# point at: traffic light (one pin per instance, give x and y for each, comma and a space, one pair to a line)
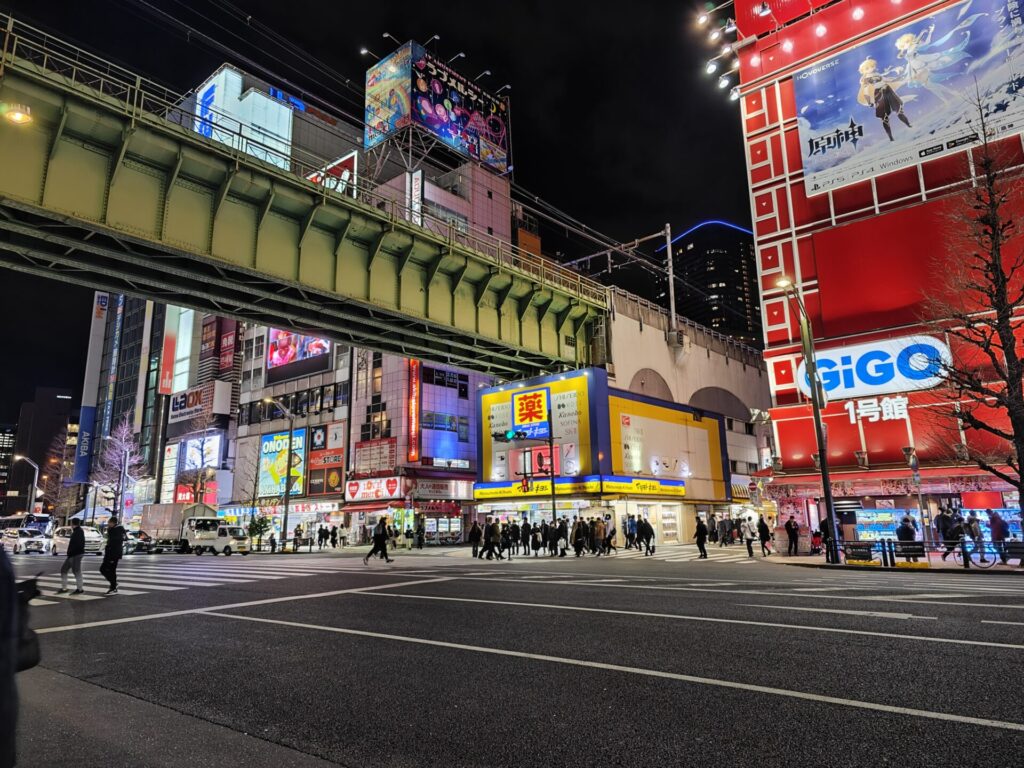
508, 435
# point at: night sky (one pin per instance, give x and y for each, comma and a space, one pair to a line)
613, 118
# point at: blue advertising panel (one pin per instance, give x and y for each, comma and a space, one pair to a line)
909, 95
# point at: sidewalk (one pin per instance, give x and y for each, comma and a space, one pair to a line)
932, 564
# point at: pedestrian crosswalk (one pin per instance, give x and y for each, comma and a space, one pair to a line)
673, 553
160, 574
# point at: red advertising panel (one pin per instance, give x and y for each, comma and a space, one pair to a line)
414, 410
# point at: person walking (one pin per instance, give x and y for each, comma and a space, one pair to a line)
297, 538
599, 537
474, 537
713, 528
906, 533
951, 533
273, 544
609, 539
630, 531
380, 542
334, 537
943, 522
764, 534
645, 531
514, 535
10, 636
973, 528
1000, 530
701, 536
421, 534
494, 539
748, 532
525, 534
535, 540
73, 560
724, 532
112, 553
793, 533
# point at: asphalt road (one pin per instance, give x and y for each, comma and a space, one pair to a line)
441, 660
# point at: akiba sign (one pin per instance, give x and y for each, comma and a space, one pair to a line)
879, 367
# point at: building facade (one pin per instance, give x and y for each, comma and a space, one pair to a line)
853, 206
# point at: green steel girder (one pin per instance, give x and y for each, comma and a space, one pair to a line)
151, 208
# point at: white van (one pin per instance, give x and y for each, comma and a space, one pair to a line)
62, 537
231, 538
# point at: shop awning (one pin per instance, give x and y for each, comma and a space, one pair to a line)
740, 491
373, 506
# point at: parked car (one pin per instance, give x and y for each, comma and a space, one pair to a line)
24, 540
62, 537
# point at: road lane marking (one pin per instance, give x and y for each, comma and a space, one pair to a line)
186, 612
874, 614
734, 685
760, 592
93, 581
1012, 623
707, 619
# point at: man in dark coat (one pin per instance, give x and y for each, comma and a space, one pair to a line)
380, 542
9, 632
793, 532
701, 536
73, 561
112, 553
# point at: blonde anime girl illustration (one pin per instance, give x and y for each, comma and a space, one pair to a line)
926, 60
876, 91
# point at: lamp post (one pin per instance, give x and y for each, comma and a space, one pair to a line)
807, 345
31, 494
288, 472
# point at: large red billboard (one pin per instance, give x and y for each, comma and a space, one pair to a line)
864, 224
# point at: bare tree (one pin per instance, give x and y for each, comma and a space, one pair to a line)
980, 306
59, 497
198, 472
120, 461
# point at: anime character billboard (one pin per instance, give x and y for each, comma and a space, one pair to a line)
387, 96
911, 94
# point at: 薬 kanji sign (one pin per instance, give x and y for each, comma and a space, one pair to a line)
531, 412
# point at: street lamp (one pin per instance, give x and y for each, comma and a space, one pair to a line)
807, 345
19, 114
288, 472
31, 495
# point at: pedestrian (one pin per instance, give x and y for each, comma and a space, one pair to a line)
793, 532
1000, 530
296, 538
563, 536
505, 542
724, 532
701, 536
943, 522
273, 543
474, 537
112, 553
515, 535
526, 533
609, 540
380, 542
973, 529
630, 531
421, 534
645, 532
905, 533
713, 529
334, 537
535, 540
73, 560
10, 635
956, 534
748, 532
764, 533
599, 536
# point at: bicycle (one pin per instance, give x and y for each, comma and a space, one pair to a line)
982, 554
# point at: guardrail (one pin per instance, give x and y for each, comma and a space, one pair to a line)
137, 96
964, 552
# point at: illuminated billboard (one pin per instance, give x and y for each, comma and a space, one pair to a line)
906, 96
274, 464
387, 96
411, 86
327, 458
290, 355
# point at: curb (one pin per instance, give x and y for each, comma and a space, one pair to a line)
1018, 572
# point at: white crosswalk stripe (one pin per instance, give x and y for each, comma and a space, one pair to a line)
147, 575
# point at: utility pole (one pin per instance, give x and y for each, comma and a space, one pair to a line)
671, 279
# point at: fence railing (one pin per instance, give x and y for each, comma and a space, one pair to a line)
962, 552
138, 97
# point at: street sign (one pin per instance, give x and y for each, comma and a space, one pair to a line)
526, 484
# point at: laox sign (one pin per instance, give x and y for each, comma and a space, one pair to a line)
879, 367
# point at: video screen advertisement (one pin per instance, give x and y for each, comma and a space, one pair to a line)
411, 86
908, 95
274, 464
290, 355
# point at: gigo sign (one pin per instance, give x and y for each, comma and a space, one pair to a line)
879, 367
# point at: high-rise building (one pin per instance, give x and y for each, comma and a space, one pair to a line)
40, 420
8, 435
719, 282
